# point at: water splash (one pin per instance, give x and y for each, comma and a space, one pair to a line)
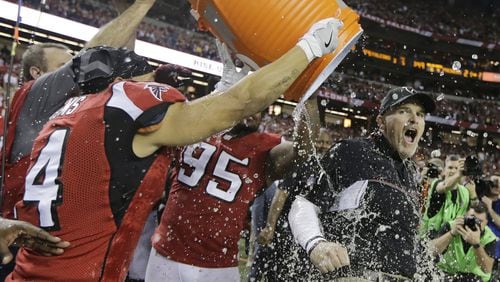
456, 66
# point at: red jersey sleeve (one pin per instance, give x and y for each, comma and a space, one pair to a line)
145, 102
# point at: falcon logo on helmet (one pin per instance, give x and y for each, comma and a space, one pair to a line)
156, 90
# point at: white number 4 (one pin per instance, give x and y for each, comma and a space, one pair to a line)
42, 181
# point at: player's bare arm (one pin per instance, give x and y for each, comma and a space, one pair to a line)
121, 31
266, 236
279, 161
194, 121
281, 158
307, 127
247, 97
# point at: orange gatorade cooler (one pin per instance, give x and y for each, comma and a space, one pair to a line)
260, 31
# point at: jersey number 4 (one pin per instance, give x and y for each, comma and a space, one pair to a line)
43, 186
199, 166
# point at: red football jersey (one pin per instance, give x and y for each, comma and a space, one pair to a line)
86, 185
208, 203
15, 170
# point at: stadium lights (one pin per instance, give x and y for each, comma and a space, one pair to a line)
360, 117
287, 102
471, 133
79, 31
336, 113
456, 132
347, 122
197, 74
199, 82
39, 34
274, 110
22, 39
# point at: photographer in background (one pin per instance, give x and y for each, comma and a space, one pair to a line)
447, 198
467, 246
432, 171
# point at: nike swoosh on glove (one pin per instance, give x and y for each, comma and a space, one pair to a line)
321, 38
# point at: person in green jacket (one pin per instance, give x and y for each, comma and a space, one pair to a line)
467, 246
448, 198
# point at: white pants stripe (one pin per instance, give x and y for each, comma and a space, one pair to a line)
162, 269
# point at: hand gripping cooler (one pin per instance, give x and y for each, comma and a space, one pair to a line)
260, 31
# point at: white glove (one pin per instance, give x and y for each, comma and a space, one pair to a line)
230, 75
321, 38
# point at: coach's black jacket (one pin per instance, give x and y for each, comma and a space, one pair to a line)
380, 231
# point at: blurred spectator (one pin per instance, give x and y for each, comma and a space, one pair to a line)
97, 13
463, 109
438, 17
492, 201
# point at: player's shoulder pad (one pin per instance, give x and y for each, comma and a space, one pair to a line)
151, 93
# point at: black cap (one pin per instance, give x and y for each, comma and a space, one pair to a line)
399, 95
97, 67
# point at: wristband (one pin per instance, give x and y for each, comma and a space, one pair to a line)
312, 243
309, 49
476, 246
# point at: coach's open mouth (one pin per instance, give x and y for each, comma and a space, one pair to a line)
409, 135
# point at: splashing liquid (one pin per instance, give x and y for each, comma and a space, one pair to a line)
426, 269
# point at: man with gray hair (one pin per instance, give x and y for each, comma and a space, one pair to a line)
42, 58
50, 74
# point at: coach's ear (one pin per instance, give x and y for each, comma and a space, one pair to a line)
35, 72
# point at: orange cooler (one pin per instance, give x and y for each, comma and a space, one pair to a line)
260, 31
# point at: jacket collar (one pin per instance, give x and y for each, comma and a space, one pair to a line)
385, 147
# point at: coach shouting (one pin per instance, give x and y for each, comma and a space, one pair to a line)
366, 199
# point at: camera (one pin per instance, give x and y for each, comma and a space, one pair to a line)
472, 167
472, 222
433, 171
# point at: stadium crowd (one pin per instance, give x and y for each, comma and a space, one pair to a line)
362, 88
438, 17
163, 28
490, 158
451, 107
